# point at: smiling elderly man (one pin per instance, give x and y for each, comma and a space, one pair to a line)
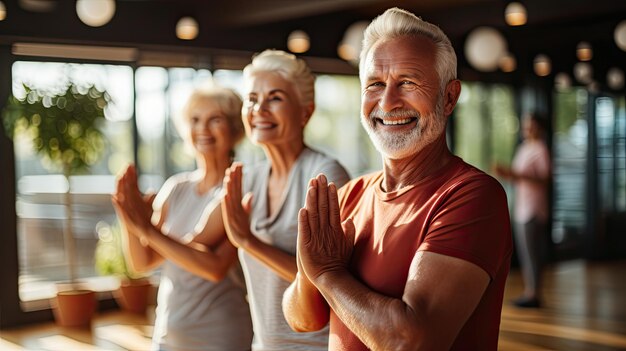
422, 255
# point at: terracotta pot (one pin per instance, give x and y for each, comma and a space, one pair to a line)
74, 308
132, 295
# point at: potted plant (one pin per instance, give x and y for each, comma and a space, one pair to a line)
64, 129
134, 291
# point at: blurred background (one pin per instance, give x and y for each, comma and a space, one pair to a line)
562, 58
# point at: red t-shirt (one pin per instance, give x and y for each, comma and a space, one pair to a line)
459, 211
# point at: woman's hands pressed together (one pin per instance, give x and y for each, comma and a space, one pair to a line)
236, 208
133, 208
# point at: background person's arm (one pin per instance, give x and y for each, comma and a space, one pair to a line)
236, 209
208, 254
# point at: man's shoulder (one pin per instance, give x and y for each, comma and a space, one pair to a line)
465, 175
359, 184
467, 180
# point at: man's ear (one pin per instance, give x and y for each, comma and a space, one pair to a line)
307, 112
451, 96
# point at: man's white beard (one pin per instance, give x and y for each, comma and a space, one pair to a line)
397, 145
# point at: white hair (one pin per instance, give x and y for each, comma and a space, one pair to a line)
395, 23
290, 67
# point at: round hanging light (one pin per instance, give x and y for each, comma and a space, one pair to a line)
95, 13
38, 5
3, 11
542, 65
584, 52
583, 72
615, 78
484, 47
515, 14
298, 42
187, 28
508, 63
620, 35
350, 47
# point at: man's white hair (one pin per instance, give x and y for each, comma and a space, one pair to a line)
395, 23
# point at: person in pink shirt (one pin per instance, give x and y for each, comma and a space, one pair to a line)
415, 256
531, 173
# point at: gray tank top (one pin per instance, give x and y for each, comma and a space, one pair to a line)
266, 288
193, 313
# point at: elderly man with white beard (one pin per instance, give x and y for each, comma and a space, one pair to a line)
413, 257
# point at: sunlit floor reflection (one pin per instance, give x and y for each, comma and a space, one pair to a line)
583, 309
64, 343
565, 332
6, 345
127, 337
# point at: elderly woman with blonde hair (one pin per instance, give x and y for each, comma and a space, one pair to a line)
199, 306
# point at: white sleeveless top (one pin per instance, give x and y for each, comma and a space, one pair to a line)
265, 287
193, 313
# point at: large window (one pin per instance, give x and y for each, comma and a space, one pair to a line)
611, 160
40, 210
485, 124
569, 168
335, 127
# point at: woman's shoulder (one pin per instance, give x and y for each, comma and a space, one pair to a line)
177, 182
179, 179
314, 162
311, 158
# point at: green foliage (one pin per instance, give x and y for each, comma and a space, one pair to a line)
64, 128
109, 255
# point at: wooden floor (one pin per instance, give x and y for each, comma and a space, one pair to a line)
585, 309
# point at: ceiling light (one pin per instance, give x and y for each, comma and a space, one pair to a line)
515, 14
583, 72
298, 42
350, 47
620, 35
3, 11
484, 47
542, 65
584, 51
95, 13
38, 5
615, 78
508, 63
187, 28
347, 52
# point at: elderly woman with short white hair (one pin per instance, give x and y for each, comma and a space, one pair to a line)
278, 103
